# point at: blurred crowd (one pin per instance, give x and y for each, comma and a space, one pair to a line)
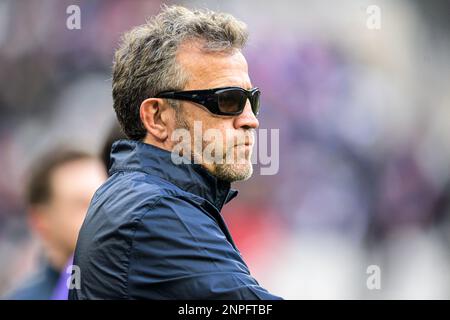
364, 122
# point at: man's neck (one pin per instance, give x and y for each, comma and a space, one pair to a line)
166, 145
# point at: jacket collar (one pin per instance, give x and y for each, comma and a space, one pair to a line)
133, 155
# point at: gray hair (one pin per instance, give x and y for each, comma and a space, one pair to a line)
145, 62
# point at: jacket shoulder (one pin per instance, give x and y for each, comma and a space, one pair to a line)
106, 236
179, 252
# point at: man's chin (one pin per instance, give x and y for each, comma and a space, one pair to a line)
233, 172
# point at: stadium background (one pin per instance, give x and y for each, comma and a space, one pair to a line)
364, 125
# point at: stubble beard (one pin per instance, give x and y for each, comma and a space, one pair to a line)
239, 169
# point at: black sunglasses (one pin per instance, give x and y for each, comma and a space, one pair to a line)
226, 101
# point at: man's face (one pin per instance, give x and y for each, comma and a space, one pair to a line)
214, 70
72, 187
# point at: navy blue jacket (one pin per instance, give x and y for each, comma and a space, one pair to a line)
154, 231
38, 286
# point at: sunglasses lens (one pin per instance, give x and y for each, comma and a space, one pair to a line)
255, 102
232, 101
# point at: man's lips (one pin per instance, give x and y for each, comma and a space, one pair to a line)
245, 145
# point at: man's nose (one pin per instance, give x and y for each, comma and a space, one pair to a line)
247, 119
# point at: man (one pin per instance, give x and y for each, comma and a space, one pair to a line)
154, 229
60, 188
115, 133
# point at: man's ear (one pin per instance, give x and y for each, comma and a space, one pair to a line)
37, 220
152, 112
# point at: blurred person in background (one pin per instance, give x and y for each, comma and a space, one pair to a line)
58, 193
114, 134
